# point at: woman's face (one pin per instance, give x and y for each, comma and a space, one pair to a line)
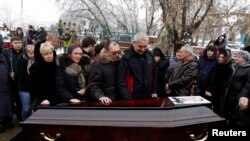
239, 60
221, 39
30, 54
19, 31
221, 59
76, 55
178, 54
48, 56
157, 58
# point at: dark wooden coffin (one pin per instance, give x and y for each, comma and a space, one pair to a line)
121, 124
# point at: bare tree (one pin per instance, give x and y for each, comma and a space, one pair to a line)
183, 16
151, 7
125, 15
95, 8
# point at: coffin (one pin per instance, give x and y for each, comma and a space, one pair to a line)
151, 123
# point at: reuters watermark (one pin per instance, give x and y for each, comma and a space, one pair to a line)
228, 133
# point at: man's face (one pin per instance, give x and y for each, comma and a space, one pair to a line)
183, 54
210, 54
114, 52
140, 46
17, 45
91, 48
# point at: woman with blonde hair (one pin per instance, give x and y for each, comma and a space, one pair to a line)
22, 70
43, 73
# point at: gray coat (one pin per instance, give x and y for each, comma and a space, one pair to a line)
183, 78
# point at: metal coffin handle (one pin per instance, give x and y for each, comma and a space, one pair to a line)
49, 138
192, 136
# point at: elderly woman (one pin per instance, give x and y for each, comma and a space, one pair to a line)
237, 100
71, 71
42, 74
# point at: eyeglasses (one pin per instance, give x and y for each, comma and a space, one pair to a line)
116, 52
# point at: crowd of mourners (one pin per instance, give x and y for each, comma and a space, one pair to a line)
32, 74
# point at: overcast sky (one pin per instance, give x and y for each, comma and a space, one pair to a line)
38, 12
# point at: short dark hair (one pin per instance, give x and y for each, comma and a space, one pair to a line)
108, 43
88, 41
99, 47
15, 38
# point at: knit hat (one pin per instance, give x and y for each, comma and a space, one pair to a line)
245, 55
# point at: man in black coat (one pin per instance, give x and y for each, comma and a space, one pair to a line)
137, 70
12, 55
102, 83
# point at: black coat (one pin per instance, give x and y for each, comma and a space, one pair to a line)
205, 65
67, 85
43, 82
42, 77
22, 74
103, 80
162, 68
11, 57
137, 74
239, 87
218, 82
6, 106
